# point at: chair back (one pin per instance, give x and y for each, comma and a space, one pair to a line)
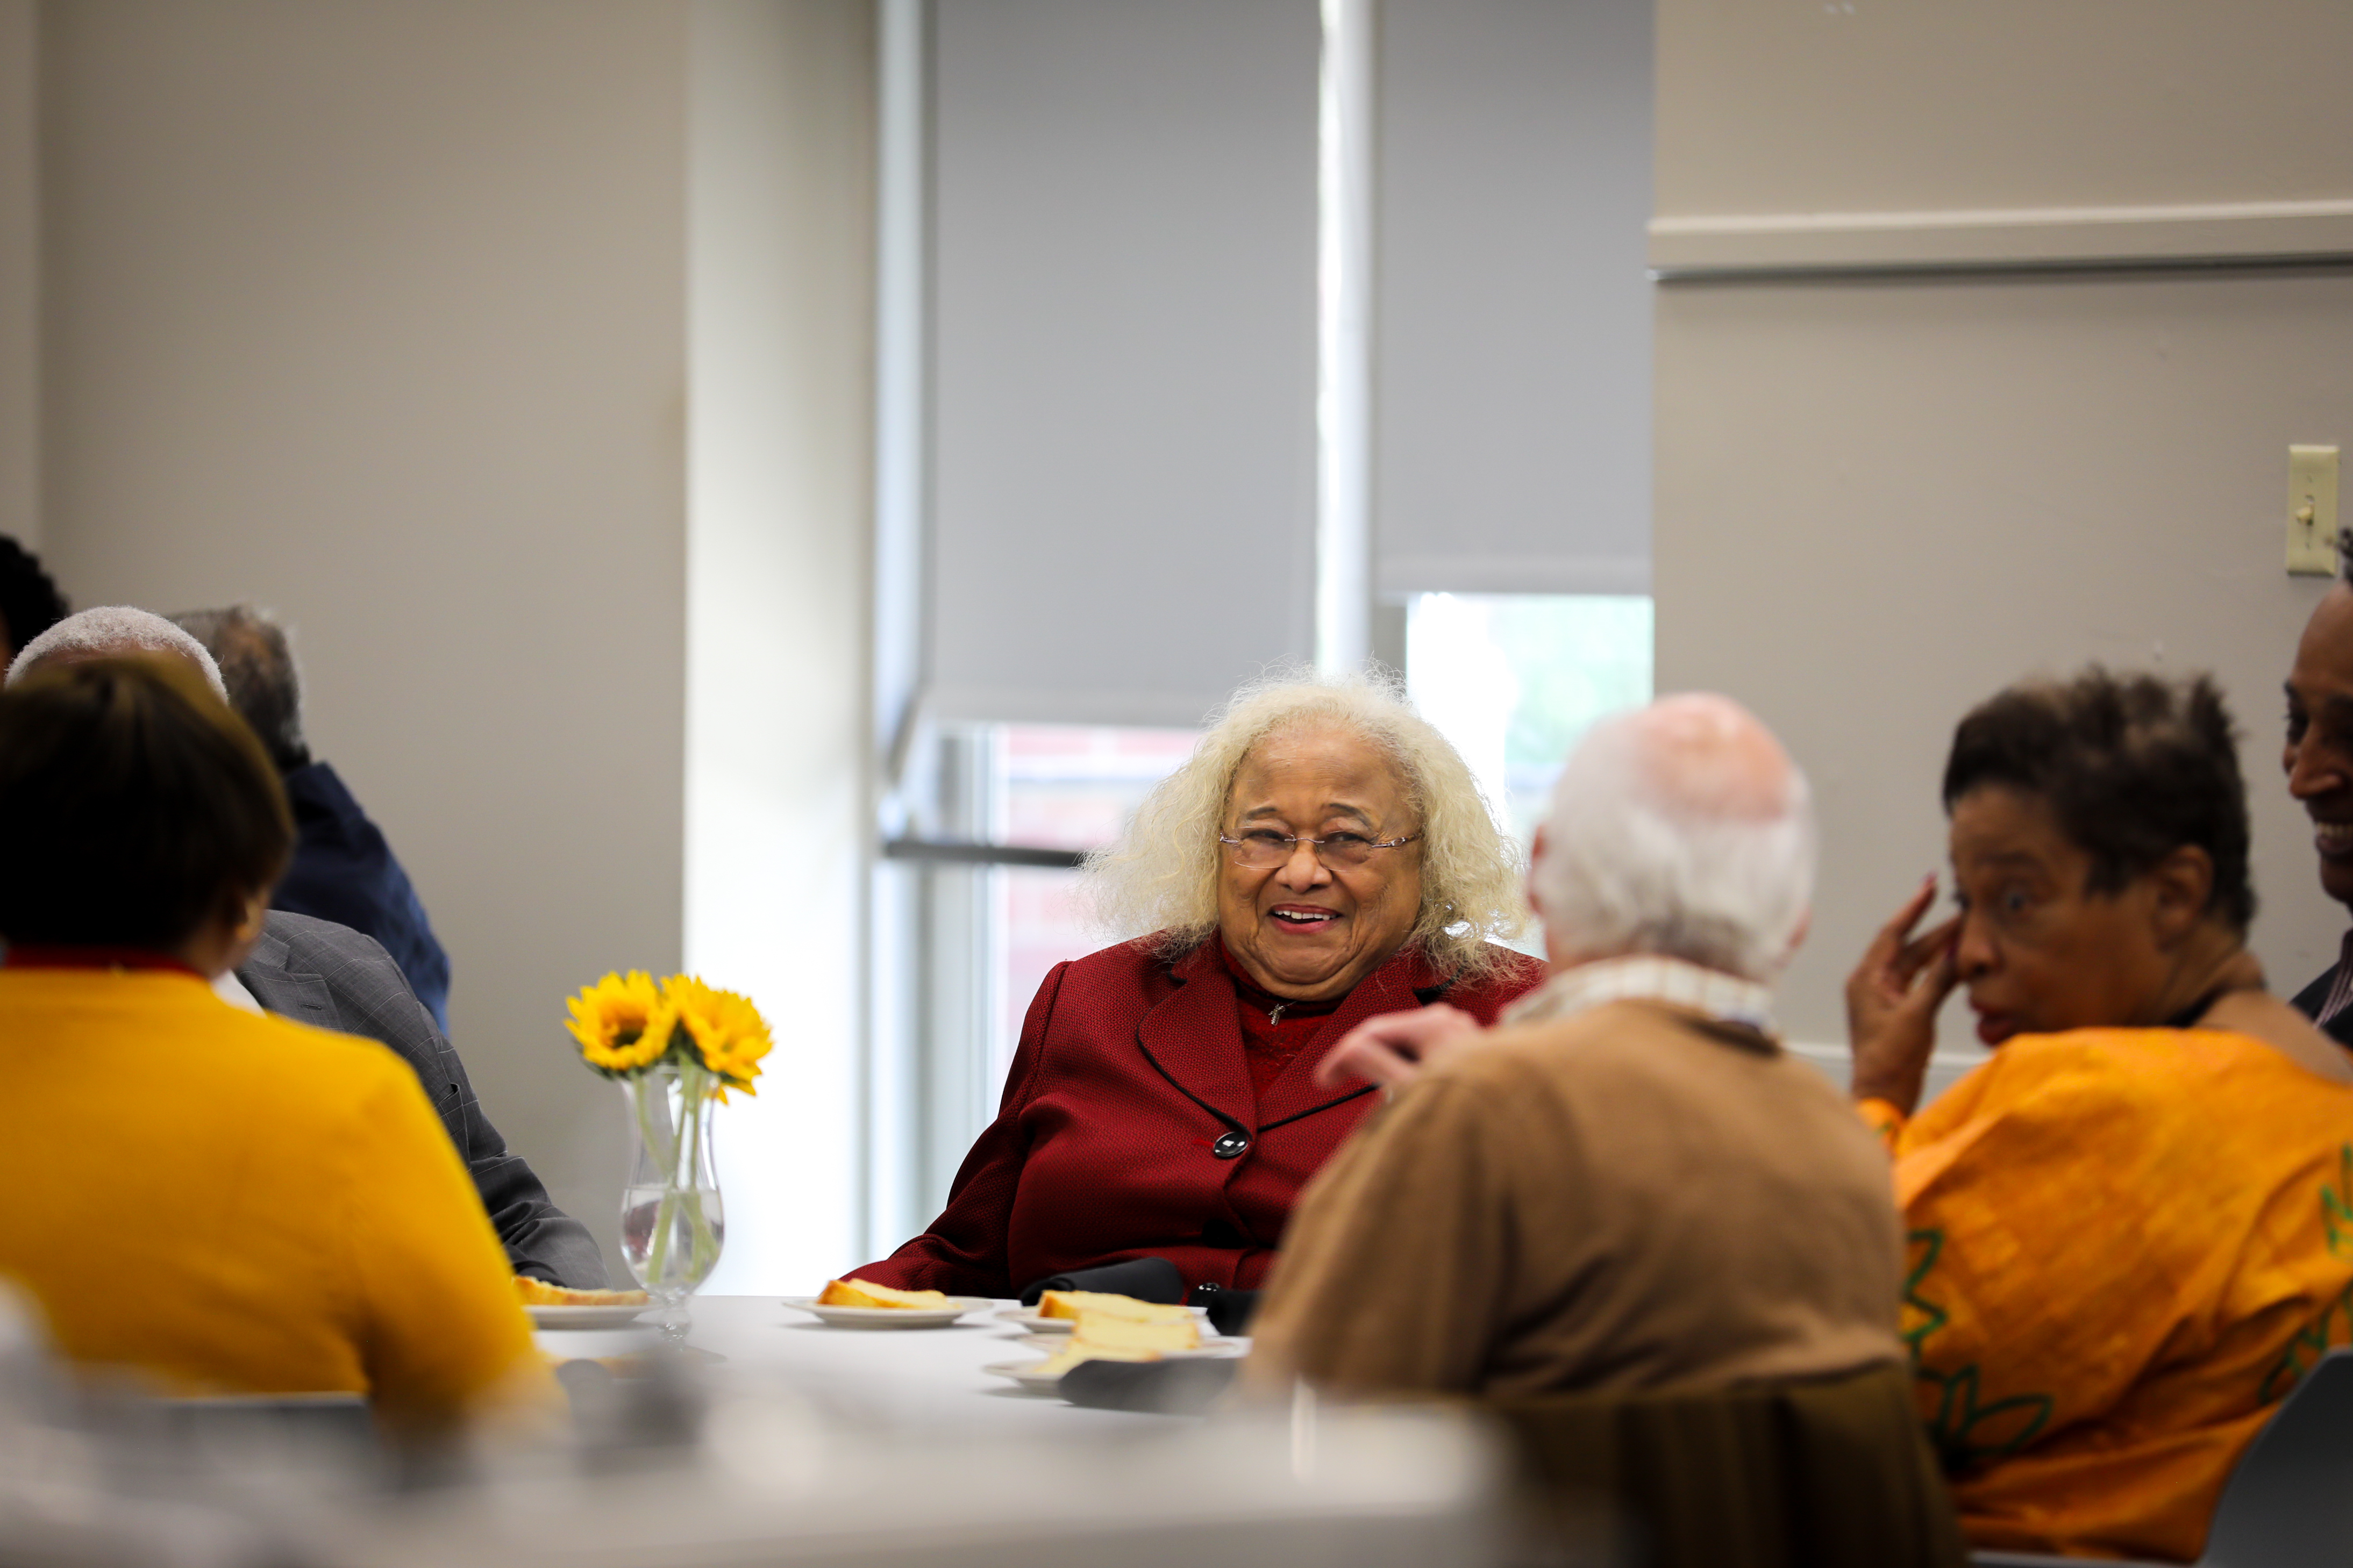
1829, 1472
2290, 1500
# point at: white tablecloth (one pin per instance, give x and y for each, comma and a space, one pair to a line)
929, 1378
826, 1448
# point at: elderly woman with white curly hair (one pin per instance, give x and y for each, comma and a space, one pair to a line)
1324, 856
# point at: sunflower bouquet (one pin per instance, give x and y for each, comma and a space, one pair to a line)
628, 1024
677, 1046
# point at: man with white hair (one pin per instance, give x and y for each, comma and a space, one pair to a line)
110, 631
318, 973
1626, 1185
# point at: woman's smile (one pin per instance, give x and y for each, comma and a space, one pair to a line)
1305, 927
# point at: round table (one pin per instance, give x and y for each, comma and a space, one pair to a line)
930, 1379
829, 1447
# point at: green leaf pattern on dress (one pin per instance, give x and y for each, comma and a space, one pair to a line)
1966, 1429
2334, 1325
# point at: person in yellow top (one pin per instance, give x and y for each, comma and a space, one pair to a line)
2129, 1232
221, 1201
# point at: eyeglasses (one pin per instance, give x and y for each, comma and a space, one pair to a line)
1262, 848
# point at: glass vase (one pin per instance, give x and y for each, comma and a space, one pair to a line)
672, 1225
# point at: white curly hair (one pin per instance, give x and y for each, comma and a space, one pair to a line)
1159, 881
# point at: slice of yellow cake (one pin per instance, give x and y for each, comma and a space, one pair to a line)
1104, 1330
1070, 1303
865, 1293
539, 1293
1078, 1349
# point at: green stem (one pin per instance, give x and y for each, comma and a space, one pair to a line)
664, 1153
680, 1162
696, 1108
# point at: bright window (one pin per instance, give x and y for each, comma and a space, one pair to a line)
1067, 788
1513, 680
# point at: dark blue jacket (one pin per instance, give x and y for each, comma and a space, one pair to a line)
344, 871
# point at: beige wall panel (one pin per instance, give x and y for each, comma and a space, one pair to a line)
777, 589
1877, 503
374, 313
20, 250
1797, 106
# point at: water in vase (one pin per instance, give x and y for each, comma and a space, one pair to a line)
670, 1267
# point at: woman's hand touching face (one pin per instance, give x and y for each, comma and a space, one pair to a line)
2039, 948
1891, 1000
1304, 929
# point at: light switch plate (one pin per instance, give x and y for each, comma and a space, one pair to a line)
2312, 512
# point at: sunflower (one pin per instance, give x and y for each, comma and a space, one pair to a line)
724, 1027
623, 1024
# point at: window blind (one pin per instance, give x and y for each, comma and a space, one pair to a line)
1121, 323
1512, 444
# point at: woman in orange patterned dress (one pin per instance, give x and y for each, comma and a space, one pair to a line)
2130, 1231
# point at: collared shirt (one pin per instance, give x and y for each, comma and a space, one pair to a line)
1648, 977
231, 990
2341, 985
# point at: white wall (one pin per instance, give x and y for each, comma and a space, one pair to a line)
518, 351
20, 246
1880, 499
1796, 106
777, 594
375, 314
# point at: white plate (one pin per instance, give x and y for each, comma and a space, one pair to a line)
889, 1317
1025, 1372
1211, 1344
586, 1317
1029, 1319
1027, 1375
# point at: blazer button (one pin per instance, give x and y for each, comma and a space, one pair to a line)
1232, 1146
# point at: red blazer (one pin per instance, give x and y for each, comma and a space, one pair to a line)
1129, 1080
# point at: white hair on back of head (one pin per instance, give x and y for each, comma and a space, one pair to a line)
112, 629
1637, 862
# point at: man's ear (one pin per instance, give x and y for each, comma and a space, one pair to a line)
2180, 887
1535, 857
1798, 934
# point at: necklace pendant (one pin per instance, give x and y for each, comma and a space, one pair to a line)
1275, 1014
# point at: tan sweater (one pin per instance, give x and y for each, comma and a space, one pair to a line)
1633, 1198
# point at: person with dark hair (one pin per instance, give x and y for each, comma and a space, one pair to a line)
344, 869
29, 602
2318, 759
222, 1201
332, 977
2129, 1229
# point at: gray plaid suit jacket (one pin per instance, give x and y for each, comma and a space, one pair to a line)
317, 973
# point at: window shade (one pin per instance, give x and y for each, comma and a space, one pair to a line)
1513, 326
1123, 332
